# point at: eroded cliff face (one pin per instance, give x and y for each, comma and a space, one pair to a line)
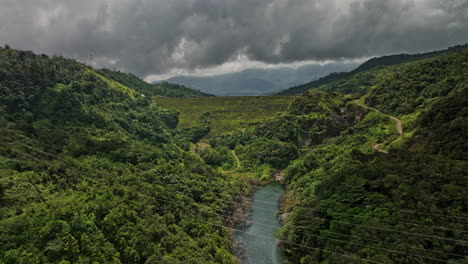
354, 113
315, 130
325, 115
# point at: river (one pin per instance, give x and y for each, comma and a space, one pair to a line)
260, 245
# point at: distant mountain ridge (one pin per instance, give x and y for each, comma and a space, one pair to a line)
258, 81
368, 65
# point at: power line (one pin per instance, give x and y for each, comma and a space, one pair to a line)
279, 240
24, 153
383, 220
357, 237
394, 251
350, 243
354, 224
373, 227
389, 209
285, 242
435, 251
308, 235
32, 149
408, 211
440, 252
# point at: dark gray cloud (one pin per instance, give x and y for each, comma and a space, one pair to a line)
157, 36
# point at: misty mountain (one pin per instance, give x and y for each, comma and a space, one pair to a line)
259, 81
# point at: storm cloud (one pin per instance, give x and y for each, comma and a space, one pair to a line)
155, 37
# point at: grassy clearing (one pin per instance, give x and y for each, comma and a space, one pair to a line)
226, 113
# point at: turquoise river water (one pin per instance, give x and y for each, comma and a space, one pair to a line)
259, 243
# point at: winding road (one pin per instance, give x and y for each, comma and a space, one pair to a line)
202, 146
398, 124
237, 160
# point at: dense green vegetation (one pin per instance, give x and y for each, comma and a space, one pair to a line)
164, 89
226, 113
277, 141
357, 190
92, 172
219, 157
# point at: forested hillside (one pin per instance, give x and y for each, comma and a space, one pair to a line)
91, 172
359, 76
360, 187
164, 89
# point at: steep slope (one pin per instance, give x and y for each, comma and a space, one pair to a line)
367, 66
401, 207
348, 202
164, 89
90, 172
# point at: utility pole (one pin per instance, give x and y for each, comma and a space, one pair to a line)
91, 58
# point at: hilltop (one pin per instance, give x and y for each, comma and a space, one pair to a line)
366, 66
164, 89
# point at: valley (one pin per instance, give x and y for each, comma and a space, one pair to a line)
348, 170
98, 166
259, 245
234, 132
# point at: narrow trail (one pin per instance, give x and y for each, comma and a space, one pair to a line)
203, 146
398, 124
237, 160
376, 147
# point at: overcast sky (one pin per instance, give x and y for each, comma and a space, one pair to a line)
154, 38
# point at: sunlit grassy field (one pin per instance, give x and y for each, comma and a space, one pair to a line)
226, 113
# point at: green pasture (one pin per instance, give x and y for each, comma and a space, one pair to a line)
226, 113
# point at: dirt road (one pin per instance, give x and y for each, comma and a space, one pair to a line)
398, 125
238, 163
